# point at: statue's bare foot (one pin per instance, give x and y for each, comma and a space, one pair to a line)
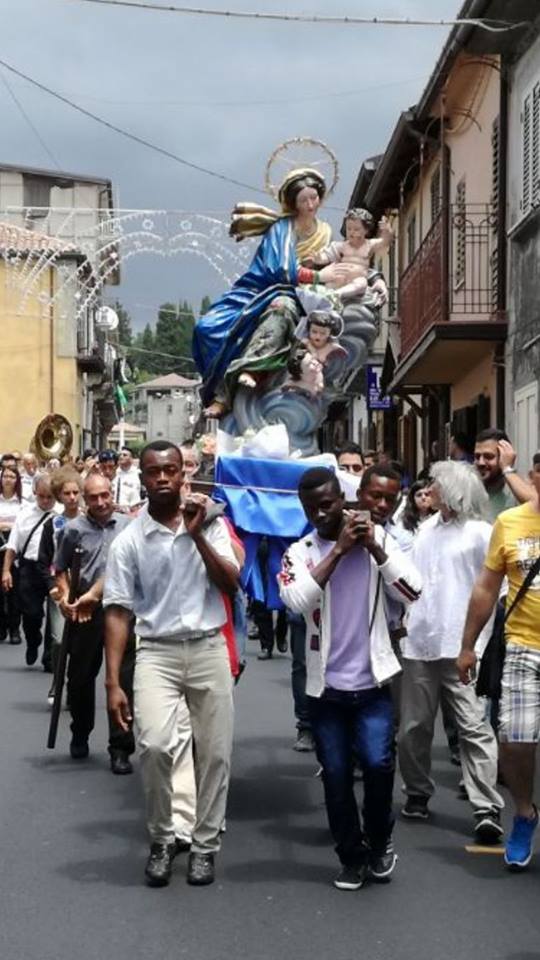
246, 380
215, 410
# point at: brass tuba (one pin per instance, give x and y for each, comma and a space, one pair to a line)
53, 437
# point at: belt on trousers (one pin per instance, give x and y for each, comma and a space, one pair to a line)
180, 638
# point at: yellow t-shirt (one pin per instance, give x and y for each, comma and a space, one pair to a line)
514, 546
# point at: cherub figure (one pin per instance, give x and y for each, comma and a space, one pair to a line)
323, 327
357, 250
305, 372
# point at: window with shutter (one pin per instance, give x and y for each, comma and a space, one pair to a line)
495, 163
535, 147
411, 238
460, 234
392, 289
495, 168
530, 150
526, 149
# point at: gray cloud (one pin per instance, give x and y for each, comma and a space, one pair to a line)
113, 61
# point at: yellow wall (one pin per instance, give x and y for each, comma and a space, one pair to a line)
25, 365
480, 380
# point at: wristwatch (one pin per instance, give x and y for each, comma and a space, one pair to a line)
508, 470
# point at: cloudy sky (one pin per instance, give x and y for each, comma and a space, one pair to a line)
221, 93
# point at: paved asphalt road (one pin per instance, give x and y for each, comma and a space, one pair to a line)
73, 849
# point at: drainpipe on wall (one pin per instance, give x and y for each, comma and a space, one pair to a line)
502, 250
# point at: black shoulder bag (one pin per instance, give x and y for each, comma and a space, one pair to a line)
31, 534
488, 681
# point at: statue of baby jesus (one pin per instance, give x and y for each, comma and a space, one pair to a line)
356, 250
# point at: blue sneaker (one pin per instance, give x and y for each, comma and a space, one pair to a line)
519, 846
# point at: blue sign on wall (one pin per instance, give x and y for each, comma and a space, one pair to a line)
374, 399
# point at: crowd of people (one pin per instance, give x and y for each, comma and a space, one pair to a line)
394, 599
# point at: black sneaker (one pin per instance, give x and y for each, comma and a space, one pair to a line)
351, 878
31, 655
416, 808
381, 865
120, 763
487, 826
304, 742
159, 864
78, 748
200, 869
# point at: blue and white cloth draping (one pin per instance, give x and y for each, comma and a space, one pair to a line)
247, 487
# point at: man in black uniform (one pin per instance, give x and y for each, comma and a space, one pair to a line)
94, 533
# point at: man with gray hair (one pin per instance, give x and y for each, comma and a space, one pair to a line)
93, 533
449, 553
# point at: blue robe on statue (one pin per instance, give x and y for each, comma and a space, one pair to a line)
223, 333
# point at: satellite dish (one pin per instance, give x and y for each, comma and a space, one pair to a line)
106, 319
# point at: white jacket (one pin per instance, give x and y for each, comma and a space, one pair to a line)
397, 578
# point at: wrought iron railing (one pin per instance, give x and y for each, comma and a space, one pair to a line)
453, 275
472, 259
420, 290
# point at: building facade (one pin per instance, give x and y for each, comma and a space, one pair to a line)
165, 408
52, 228
523, 344
442, 179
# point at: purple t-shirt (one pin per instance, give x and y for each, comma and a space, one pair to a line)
349, 666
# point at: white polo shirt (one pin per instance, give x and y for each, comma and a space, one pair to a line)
26, 520
160, 576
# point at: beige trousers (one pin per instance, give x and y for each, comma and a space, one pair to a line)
424, 684
168, 678
184, 798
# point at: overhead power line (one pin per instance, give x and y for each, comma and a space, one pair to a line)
281, 101
494, 26
130, 136
32, 126
156, 353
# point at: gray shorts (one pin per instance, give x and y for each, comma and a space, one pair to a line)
519, 717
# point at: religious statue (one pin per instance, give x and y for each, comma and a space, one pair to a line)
356, 249
243, 344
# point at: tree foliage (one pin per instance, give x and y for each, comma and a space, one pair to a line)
123, 335
166, 348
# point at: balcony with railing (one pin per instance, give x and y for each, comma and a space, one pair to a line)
453, 275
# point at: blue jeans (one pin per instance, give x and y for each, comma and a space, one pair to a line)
351, 726
297, 626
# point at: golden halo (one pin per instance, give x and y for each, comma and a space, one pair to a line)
297, 154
